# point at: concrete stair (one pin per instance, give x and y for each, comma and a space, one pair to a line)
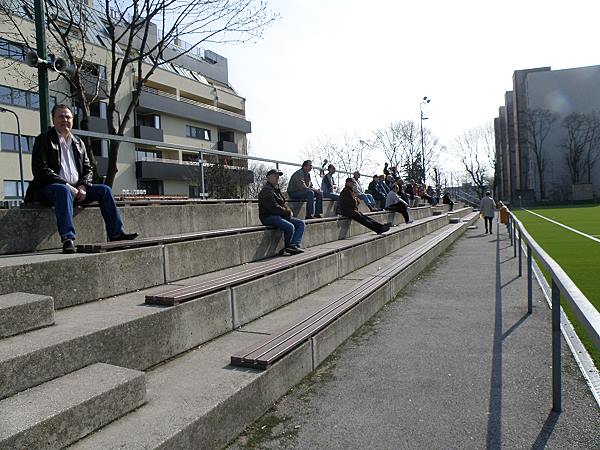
61, 276
212, 401
194, 395
21, 312
58, 413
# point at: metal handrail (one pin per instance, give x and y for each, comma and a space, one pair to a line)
587, 315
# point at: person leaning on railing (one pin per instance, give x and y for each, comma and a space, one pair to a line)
272, 210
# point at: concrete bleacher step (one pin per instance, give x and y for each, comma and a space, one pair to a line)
213, 401
21, 312
62, 411
125, 332
144, 267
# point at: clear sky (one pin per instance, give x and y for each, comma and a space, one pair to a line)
332, 66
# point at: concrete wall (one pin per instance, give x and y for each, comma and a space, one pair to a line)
564, 92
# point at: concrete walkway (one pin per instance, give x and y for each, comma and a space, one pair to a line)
453, 362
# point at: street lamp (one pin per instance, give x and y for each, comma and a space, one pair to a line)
3, 110
423, 102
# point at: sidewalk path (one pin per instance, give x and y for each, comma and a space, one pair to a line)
453, 362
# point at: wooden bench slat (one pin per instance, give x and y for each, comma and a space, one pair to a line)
265, 353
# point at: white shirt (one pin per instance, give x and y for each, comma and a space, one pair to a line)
68, 168
392, 198
358, 190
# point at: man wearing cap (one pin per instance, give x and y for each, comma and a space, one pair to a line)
300, 188
272, 210
349, 207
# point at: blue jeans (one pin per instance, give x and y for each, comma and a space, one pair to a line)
293, 229
368, 199
331, 195
62, 199
314, 201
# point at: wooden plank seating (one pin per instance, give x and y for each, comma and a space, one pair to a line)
264, 354
168, 239
175, 296
100, 247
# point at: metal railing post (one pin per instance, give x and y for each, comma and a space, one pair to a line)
556, 357
514, 229
202, 186
520, 253
529, 281
510, 225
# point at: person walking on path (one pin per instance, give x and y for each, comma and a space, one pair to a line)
487, 206
272, 210
349, 208
300, 188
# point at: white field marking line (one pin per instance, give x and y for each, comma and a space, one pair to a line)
564, 226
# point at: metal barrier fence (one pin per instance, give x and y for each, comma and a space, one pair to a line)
587, 315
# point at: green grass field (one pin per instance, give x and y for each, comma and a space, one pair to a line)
579, 256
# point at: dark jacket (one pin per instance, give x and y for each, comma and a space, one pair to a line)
272, 203
348, 202
410, 190
45, 164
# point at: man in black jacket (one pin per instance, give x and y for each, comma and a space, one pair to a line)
349, 208
272, 210
62, 175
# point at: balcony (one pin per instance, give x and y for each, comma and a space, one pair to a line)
165, 103
165, 169
95, 124
148, 133
226, 146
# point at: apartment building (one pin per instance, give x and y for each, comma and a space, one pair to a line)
560, 92
189, 102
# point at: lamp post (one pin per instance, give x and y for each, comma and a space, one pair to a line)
423, 102
3, 110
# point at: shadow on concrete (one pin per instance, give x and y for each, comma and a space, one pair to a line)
546, 431
494, 426
510, 281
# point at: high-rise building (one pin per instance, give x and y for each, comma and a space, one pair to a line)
560, 110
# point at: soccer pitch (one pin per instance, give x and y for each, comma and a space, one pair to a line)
571, 236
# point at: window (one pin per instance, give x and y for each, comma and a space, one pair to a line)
12, 50
100, 147
190, 157
152, 187
148, 120
197, 133
21, 98
9, 143
147, 155
12, 189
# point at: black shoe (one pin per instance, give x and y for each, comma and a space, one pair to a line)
298, 249
68, 246
124, 237
309, 217
383, 229
291, 251
318, 216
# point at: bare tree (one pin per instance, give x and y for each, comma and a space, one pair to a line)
469, 148
140, 35
592, 150
575, 144
401, 145
538, 123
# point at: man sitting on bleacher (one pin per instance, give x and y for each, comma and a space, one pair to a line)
272, 210
349, 207
62, 176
